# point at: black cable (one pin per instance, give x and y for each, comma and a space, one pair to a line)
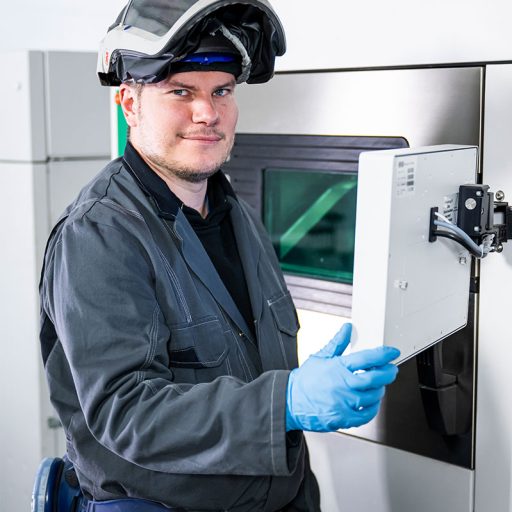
459, 240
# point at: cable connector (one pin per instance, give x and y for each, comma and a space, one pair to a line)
454, 233
483, 225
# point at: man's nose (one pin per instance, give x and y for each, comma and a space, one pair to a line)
204, 111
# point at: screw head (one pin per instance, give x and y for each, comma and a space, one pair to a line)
470, 204
500, 195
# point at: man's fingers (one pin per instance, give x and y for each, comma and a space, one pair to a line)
366, 359
373, 378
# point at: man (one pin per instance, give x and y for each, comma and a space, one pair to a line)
168, 334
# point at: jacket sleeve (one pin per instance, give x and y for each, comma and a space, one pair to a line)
99, 292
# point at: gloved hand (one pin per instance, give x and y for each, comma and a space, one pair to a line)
330, 391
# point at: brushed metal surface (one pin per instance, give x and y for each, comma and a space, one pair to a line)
493, 484
426, 106
319, 295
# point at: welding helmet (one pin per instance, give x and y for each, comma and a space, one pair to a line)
152, 38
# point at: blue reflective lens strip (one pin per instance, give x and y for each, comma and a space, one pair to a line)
209, 58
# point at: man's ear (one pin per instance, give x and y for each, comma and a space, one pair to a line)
129, 101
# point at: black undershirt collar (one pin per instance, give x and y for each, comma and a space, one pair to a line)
166, 201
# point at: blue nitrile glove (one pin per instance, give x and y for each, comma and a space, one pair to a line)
330, 391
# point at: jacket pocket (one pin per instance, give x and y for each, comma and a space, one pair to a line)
287, 324
285, 316
199, 345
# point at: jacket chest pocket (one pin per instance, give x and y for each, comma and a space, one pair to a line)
199, 345
287, 324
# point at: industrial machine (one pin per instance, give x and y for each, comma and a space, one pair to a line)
424, 451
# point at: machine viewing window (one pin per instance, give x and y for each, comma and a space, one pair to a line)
310, 217
304, 187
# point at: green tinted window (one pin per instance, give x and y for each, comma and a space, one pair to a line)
310, 216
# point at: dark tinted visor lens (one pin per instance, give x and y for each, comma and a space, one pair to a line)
156, 16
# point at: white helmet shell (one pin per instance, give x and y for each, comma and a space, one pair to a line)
150, 35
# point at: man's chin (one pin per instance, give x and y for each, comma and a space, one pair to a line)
194, 175
193, 170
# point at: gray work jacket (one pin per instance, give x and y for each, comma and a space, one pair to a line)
162, 390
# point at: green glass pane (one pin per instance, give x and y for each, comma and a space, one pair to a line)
311, 216
122, 130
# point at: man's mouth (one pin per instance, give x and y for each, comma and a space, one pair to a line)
203, 137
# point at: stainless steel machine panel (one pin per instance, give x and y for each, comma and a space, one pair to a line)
426, 106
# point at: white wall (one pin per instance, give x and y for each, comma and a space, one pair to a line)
367, 33
55, 24
320, 34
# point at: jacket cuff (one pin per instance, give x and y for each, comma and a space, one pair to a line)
286, 447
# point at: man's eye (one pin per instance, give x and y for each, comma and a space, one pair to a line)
179, 92
222, 92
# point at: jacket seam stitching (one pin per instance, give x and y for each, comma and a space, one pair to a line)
273, 300
152, 345
98, 199
150, 385
186, 327
120, 208
176, 284
257, 236
281, 343
272, 424
245, 365
228, 367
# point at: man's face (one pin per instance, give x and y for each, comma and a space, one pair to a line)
185, 125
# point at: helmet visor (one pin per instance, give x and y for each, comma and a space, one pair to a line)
155, 16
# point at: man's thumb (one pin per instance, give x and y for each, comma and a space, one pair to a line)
338, 344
